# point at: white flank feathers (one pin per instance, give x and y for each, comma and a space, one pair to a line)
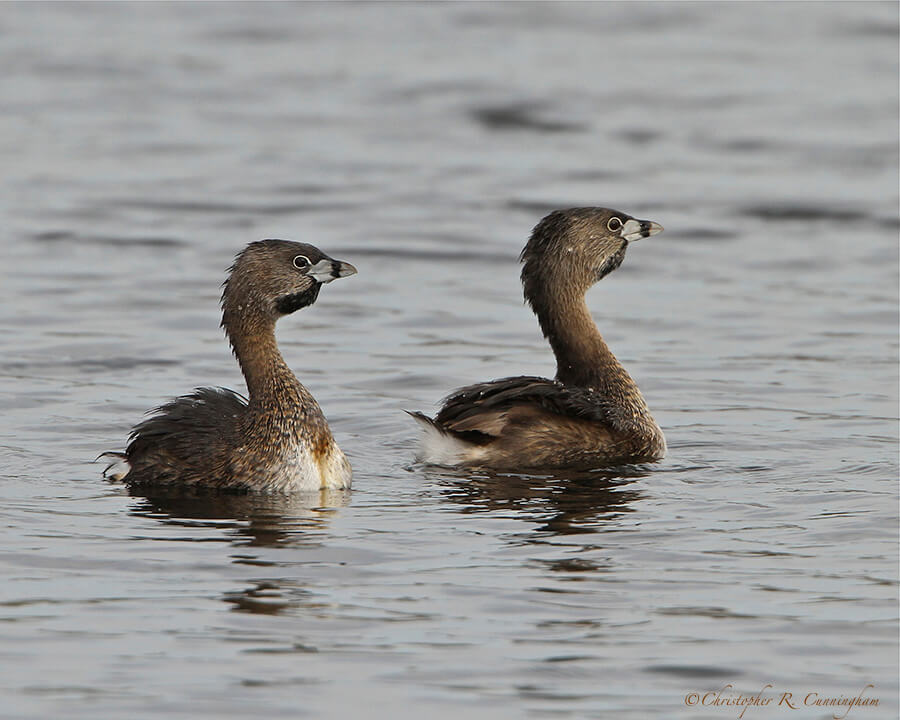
441, 448
117, 469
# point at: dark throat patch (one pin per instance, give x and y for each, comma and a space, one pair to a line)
612, 262
287, 304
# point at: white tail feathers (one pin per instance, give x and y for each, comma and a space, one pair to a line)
118, 468
441, 447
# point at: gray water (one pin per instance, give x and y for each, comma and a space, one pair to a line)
142, 145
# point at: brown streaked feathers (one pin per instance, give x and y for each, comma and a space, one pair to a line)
276, 440
592, 414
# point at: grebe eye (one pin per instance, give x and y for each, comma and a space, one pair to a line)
614, 224
301, 262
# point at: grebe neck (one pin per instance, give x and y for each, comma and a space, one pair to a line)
270, 382
583, 359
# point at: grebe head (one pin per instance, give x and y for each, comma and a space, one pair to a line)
574, 248
271, 278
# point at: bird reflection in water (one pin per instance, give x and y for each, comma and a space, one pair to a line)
250, 519
271, 597
564, 503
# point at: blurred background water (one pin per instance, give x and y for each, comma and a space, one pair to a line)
142, 145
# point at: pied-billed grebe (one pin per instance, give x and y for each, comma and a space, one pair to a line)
278, 440
592, 414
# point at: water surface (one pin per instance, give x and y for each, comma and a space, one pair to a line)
142, 145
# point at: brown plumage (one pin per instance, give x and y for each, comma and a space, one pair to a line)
592, 414
277, 440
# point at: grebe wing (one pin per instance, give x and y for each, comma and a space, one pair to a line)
180, 424
483, 408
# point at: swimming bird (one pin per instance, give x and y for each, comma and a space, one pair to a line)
592, 414
276, 440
